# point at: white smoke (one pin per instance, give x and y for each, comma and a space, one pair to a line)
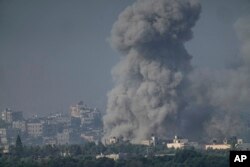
150, 79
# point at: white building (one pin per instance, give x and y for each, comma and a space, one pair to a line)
21, 125
8, 115
217, 146
35, 129
3, 140
113, 156
112, 140
178, 143
86, 114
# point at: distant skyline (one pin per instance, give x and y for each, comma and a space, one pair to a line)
54, 54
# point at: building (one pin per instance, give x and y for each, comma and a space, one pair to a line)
88, 138
58, 118
20, 125
49, 141
50, 130
3, 136
5, 149
113, 156
75, 111
9, 116
218, 146
178, 143
63, 138
150, 142
4, 146
86, 114
112, 140
35, 129
242, 146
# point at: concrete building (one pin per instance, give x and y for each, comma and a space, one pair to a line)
88, 138
58, 119
112, 140
86, 114
218, 146
63, 138
75, 111
9, 116
4, 145
113, 156
151, 142
35, 129
178, 143
20, 125
49, 141
242, 146
3, 136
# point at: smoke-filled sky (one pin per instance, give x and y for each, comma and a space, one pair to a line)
56, 53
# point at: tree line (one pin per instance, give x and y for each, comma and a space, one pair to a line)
85, 156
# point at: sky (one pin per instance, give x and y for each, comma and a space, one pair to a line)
55, 53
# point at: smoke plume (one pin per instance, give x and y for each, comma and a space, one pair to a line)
156, 89
151, 78
222, 97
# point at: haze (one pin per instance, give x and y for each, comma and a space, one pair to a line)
56, 53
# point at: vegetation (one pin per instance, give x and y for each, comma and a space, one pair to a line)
19, 147
84, 156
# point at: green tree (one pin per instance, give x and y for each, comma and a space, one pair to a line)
19, 146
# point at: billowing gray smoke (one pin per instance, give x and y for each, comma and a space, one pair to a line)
221, 99
151, 79
156, 89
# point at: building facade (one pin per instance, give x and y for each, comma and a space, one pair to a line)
35, 129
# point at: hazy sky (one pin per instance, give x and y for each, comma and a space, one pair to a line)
56, 53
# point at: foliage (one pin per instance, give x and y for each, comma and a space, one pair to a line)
19, 146
84, 156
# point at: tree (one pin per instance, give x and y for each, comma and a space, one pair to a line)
19, 146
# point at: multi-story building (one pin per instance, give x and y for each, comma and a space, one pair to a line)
86, 114
75, 111
150, 142
35, 129
20, 125
4, 145
9, 116
3, 136
64, 137
58, 119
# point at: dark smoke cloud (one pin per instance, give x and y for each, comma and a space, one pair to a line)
150, 78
